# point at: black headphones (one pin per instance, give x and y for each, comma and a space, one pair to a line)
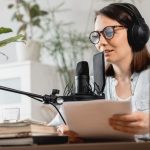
138, 33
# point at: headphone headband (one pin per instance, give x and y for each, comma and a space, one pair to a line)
139, 33
131, 10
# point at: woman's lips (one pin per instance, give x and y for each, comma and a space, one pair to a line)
107, 52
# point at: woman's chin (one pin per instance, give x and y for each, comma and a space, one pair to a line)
108, 59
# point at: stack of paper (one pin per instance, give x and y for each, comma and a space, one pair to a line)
90, 119
25, 128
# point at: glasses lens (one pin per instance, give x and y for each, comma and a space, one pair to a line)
108, 32
94, 37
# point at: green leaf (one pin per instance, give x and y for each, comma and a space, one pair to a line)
5, 30
19, 17
10, 6
22, 28
36, 22
43, 13
19, 37
34, 11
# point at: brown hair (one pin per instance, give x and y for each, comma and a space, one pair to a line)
141, 59
140, 62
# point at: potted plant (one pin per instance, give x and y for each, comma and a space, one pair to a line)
65, 45
4, 30
29, 16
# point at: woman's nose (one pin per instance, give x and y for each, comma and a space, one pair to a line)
102, 42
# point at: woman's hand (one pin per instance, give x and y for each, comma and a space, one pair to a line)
134, 123
73, 137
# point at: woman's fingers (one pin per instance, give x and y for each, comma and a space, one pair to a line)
135, 123
128, 130
127, 123
73, 137
62, 128
128, 117
129, 127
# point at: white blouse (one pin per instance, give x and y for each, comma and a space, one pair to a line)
140, 86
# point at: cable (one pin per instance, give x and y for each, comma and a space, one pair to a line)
90, 89
59, 113
65, 90
54, 107
68, 89
98, 91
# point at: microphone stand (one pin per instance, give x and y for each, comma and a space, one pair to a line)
46, 99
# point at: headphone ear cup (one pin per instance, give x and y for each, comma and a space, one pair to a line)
138, 36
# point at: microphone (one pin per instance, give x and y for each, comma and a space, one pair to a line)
83, 89
82, 78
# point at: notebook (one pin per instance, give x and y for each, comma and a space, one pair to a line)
39, 140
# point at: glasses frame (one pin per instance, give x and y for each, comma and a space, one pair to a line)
102, 32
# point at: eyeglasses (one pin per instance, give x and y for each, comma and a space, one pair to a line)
108, 33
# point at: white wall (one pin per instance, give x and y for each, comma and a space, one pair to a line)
78, 14
81, 13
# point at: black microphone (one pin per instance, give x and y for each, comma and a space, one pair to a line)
82, 78
83, 89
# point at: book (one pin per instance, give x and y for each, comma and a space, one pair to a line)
39, 140
28, 132
26, 128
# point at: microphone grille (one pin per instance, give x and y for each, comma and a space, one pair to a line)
82, 68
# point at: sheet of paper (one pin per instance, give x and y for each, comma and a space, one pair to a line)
89, 119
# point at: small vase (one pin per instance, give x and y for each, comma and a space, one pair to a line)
30, 50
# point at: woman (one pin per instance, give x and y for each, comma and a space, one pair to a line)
121, 33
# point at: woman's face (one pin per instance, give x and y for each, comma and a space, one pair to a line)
116, 49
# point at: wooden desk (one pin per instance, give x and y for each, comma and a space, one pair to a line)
86, 146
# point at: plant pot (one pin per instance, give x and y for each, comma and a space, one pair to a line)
30, 50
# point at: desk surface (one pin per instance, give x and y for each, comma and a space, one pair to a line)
86, 146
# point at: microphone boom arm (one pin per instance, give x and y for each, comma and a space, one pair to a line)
47, 99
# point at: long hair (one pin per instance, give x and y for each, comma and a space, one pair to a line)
141, 59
